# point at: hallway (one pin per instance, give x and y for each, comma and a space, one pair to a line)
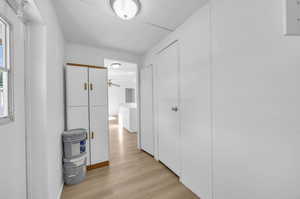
132, 174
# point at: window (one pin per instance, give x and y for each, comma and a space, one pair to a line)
130, 95
5, 92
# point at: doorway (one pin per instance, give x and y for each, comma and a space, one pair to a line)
123, 103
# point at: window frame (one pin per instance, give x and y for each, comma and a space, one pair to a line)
9, 69
131, 91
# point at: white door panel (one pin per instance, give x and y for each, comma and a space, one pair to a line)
168, 122
99, 134
98, 86
77, 84
147, 134
78, 117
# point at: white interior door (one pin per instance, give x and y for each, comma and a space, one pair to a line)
77, 84
99, 134
147, 134
168, 112
78, 117
98, 87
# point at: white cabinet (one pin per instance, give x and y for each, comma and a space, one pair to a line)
99, 139
87, 107
77, 86
98, 87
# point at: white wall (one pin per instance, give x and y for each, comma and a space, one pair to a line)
12, 147
193, 37
249, 76
195, 104
46, 100
55, 101
115, 98
116, 95
255, 100
36, 110
80, 54
44, 118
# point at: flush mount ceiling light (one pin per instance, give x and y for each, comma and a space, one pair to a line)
115, 65
126, 9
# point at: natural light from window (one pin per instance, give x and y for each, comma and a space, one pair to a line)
4, 69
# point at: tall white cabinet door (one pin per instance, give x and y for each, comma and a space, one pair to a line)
99, 134
168, 110
77, 84
147, 134
98, 86
78, 117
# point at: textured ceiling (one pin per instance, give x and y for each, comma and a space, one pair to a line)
92, 22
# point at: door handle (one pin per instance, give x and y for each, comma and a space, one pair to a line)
85, 86
92, 135
175, 109
91, 86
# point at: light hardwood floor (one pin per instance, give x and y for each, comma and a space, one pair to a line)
132, 174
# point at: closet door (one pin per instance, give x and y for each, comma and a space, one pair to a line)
78, 117
77, 84
168, 111
98, 115
99, 134
147, 134
98, 86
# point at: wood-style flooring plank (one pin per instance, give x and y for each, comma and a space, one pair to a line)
132, 174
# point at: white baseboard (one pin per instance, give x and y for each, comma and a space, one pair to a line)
60, 191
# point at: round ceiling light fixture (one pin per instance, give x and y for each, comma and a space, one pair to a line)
115, 65
126, 9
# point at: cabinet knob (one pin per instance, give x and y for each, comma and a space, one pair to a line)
175, 108
93, 135
91, 86
85, 86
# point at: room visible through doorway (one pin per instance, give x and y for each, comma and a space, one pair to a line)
122, 97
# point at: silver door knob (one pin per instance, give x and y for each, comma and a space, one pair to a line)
175, 108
